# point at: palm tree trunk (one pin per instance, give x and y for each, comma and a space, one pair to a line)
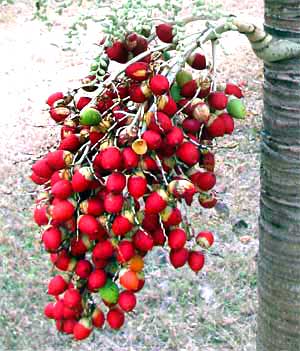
279, 251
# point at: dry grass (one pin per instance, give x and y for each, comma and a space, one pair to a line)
177, 310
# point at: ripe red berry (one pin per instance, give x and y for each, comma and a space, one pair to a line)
125, 251
59, 114
117, 52
82, 329
70, 143
156, 202
83, 269
130, 158
72, 298
216, 126
40, 215
54, 97
57, 285
88, 225
137, 71
42, 168
59, 159
62, 210
167, 105
68, 326
228, 122
159, 84
111, 158
92, 206
62, 189
164, 32
52, 239
174, 137
121, 225
98, 318
82, 179
103, 250
116, 182
143, 241
158, 237
96, 280
113, 203
188, 153
127, 301
217, 100
205, 180
196, 260
205, 239
189, 89
48, 310
158, 122
115, 318
233, 89
137, 186
178, 258
191, 125
152, 138
139, 93
177, 239
197, 61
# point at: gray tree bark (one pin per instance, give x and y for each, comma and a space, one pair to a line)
279, 250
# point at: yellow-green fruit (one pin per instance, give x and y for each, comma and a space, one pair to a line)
109, 292
236, 108
175, 92
90, 117
183, 77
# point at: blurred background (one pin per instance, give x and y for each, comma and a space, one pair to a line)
177, 310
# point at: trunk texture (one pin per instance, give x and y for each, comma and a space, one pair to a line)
279, 251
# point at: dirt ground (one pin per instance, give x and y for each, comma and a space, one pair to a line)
177, 310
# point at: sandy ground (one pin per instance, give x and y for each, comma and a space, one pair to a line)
214, 312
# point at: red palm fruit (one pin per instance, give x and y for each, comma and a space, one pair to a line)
82, 329
62, 210
111, 158
143, 241
228, 122
150, 222
167, 105
171, 216
204, 91
95, 134
116, 182
131, 41
82, 179
58, 310
113, 203
197, 61
129, 279
98, 318
63, 261
42, 168
68, 325
125, 251
57, 285
37, 179
148, 164
137, 71
117, 52
177, 238
70, 143
191, 125
164, 31
88, 225
115, 318
69, 313
127, 301
215, 126
141, 277
189, 89
121, 225
83, 269
52, 239
40, 215
205, 180
69, 127
156, 202
130, 158
137, 185
186, 104
208, 161
188, 153
217, 100
82, 101
59, 159
178, 258
199, 110
174, 137
233, 89
196, 260
54, 97
159, 84
72, 298
207, 200
96, 280
59, 114
92, 206
142, 45
99, 263
158, 237
139, 93
159, 122
80, 246
103, 250
48, 310
62, 174
205, 239
62, 189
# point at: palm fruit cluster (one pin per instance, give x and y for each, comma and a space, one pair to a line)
130, 159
